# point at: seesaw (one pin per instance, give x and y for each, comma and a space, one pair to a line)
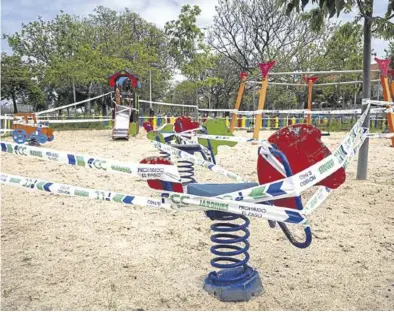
184, 131
291, 161
26, 128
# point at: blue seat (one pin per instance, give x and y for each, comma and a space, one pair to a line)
211, 189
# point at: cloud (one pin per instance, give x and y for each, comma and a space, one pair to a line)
154, 11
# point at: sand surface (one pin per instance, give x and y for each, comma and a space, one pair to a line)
67, 253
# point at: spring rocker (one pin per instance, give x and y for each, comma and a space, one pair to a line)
183, 131
26, 128
125, 117
291, 150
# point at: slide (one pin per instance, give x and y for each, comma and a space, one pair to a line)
121, 126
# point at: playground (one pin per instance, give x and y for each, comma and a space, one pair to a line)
72, 253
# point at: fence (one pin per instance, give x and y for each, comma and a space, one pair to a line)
330, 123
327, 123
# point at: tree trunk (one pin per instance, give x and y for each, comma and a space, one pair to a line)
363, 154
88, 105
74, 92
103, 104
14, 102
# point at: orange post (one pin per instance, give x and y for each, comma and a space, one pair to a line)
265, 68
239, 99
310, 81
384, 67
391, 74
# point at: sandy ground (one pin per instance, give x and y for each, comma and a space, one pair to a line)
63, 253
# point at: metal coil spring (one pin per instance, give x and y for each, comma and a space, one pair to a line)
164, 154
186, 171
225, 241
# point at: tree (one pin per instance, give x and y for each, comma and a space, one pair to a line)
191, 55
17, 82
70, 53
382, 27
252, 31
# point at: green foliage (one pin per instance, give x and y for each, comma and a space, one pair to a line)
382, 26
184, 35
70, 50
390, 53
18, 82
192, 56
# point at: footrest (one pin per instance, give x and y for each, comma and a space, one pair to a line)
188, 148
211, 189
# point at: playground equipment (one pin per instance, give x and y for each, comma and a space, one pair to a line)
310, 81
290, 162
285, 171
241, 90
125, 117
25, 127
184, 130
286, 153
384, 67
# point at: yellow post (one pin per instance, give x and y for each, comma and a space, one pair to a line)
265, 68
276, 122
384, 66
310, 81
154, 122
293, 120
239, 99
227, 122
172, 120
243, 124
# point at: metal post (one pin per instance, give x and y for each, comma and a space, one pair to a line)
362, 164
150, 88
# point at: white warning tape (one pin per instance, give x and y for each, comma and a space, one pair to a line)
143, 171
72, 104
179, 202
200, 162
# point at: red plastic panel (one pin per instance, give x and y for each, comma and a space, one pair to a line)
123, 73
158, 184
187, 124
384, 65
147, 126
266, 67
303, 147
311, 78
243, 75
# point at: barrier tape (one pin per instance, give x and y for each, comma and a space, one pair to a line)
380, 135
144, 171
377, 103
200, 162
237, 202
303, 111
169, 104
323, 192
72, 104
179, 201
75, 120
70, 190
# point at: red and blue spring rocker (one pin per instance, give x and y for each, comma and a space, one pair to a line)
297, 148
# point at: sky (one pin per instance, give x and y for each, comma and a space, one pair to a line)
16, 12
